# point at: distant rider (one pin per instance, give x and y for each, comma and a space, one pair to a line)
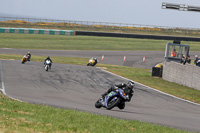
198, 62
92, 62
48, 58
128, 89
28, 54
95, 59
196, 59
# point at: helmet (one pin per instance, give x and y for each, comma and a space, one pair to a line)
28, 52
130, 84
48, 57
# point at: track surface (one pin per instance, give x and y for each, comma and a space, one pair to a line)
79, 87
133, 58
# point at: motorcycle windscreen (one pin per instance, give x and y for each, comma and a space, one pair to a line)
48, 61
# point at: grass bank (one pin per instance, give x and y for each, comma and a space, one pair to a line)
61, 42
21, 117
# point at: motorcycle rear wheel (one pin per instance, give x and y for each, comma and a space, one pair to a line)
98, 104
23, 61
121, 106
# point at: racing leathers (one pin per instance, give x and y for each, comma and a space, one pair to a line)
48, 58
127, 90
29, 56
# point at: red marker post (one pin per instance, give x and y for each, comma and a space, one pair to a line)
124, 58
102, 58
143, 59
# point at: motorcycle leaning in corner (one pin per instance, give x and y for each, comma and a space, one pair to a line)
24, 59
116, 98
92, 62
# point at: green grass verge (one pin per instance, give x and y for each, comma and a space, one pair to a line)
61, 42
62, 60
21, 117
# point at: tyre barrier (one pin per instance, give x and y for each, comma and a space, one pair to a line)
37, 31
88, 33
157, 37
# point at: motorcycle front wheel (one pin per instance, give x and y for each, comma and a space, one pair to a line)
113, 102
46, 67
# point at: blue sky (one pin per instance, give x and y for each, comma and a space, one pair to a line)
145, 12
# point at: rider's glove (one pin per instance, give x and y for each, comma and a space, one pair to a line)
127, 97
115, 87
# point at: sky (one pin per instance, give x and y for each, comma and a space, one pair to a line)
144, 12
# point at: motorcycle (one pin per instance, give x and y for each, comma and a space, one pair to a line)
24, 59
116, 98
47, 65
92, 62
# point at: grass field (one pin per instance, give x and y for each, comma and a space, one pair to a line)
61, 42
23, 117
17, 117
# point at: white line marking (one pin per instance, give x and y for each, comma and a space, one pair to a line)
3, 87
2, 82
152, 88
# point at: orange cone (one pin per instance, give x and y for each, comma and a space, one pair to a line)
124, 58
143, 59
102, 58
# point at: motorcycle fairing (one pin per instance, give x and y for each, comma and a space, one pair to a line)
92, 61
47, 62
118, 92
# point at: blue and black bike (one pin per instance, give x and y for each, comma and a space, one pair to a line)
115, 98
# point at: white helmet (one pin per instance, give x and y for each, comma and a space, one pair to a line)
131, 84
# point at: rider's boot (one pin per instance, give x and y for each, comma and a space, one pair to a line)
103, 95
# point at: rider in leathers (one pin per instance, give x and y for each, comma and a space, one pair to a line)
48, 58
128, 89
28, 54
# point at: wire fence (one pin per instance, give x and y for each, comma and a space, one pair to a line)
94, 25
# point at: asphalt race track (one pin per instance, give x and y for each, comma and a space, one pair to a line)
133, 58
79, 87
